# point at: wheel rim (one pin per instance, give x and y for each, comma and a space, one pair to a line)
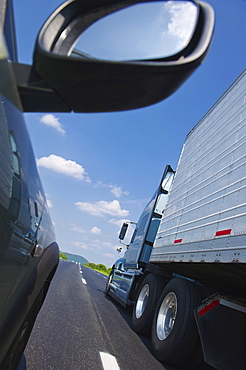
166, 316
142, 301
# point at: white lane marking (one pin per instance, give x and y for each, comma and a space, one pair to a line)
109, 362
81, 272
84, 281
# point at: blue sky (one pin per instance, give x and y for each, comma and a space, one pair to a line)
160, 29
99, 169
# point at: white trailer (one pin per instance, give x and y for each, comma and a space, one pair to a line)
205, 218
187, 281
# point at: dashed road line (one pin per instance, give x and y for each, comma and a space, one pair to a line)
84, 281
109, 362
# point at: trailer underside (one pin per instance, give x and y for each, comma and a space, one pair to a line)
226, 277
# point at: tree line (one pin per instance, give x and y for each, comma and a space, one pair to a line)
100, 267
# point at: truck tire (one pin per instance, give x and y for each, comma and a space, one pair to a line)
107, 288
174, 331
145, 303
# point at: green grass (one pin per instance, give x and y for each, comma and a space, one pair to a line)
100, 268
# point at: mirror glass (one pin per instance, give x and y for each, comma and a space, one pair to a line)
142, 31
123, 231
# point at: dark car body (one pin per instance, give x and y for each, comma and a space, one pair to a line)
29, 254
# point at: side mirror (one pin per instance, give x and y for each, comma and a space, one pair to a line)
64, 78
123, 231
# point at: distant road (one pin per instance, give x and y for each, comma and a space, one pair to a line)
80, 328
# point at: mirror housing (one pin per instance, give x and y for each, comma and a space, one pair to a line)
58, 82
123, 231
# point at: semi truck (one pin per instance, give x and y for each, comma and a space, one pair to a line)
184, 270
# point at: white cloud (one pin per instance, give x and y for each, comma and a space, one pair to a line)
95, 230
181, 22
63, 166
97, 241
102, 208
99, 244
80, 245
49, 203
78, 229
109, 255
96, 244
118, 223
52, 121
108, 245
115, 190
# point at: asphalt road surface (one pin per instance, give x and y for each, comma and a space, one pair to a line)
79, 327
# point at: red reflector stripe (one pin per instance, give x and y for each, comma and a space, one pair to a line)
178, 241
223, 232
208, 307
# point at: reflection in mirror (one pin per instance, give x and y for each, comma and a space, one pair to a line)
167, 182
143, 31
123, 231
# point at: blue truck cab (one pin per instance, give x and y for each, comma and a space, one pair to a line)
126, 271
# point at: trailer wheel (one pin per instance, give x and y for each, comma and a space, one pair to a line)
145, 303
174, 331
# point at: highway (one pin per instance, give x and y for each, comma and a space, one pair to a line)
79, 327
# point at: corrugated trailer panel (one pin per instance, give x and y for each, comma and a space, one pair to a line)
205, 218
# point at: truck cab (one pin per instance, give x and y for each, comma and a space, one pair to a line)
126, 271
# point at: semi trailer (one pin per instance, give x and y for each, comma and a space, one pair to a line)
184, 270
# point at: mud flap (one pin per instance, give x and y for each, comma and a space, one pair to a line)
221, 324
